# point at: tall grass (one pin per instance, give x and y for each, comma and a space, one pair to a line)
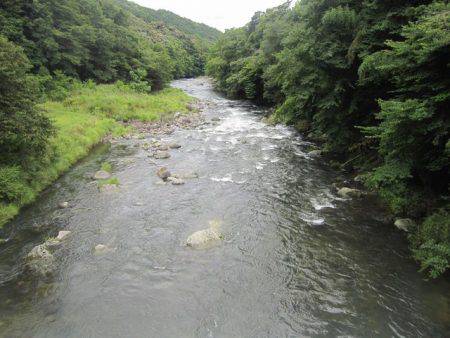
82, 120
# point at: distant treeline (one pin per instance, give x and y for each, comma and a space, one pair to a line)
371, 81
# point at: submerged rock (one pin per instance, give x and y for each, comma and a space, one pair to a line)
404, 224
40, 261
201, 238
216, 119
102, 175
109, 188
349, 193
161, 155
187, 176
163, 173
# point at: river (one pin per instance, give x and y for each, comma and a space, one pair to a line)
295, 260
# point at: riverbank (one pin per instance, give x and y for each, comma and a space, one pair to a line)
83, 119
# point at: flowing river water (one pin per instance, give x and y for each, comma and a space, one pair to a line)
295, 260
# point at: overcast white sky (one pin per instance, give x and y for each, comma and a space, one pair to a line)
221, 14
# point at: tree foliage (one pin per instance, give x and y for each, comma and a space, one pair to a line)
370, 79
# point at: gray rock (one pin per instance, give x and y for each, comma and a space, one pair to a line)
358, 179
161, 155
216, 119
176, 181
62, 235
315, 153
102, 175
174, 145
349, 193
202, 238
40, 261
101, 249
404, 224
63, 205
163, 173
163, 147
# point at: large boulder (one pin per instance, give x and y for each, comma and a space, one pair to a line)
204, 237
404, 224
349, 193
40, 261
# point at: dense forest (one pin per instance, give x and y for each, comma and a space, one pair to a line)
370, 80
52, 49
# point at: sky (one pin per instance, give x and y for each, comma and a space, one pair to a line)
221, 14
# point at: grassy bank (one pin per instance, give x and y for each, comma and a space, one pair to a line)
82, 120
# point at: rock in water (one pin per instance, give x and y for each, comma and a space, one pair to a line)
201, 238
40, 261
174, 145
161, 155
63, 205
349, 193
176, 181
187, 176
101, 249
163, 173
102, 175
62, 235
315, 153
404, 224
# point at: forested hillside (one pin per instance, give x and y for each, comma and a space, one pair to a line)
53, 50
102, 40
185, 25
370, 80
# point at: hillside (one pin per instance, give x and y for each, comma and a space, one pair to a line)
105, 40
185, 25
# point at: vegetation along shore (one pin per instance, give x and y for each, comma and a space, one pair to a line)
370, 81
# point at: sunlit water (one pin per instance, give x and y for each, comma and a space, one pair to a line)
295, 260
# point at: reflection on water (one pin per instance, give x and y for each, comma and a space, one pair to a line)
295, 261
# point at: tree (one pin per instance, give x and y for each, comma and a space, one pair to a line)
24, 129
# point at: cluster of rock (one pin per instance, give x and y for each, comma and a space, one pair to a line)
175, 179
40, 261
167, 127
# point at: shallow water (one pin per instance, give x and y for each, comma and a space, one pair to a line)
295, 259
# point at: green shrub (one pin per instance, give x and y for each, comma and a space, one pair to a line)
106, 167
432, 243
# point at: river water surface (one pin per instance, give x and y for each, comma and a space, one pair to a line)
295, 260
